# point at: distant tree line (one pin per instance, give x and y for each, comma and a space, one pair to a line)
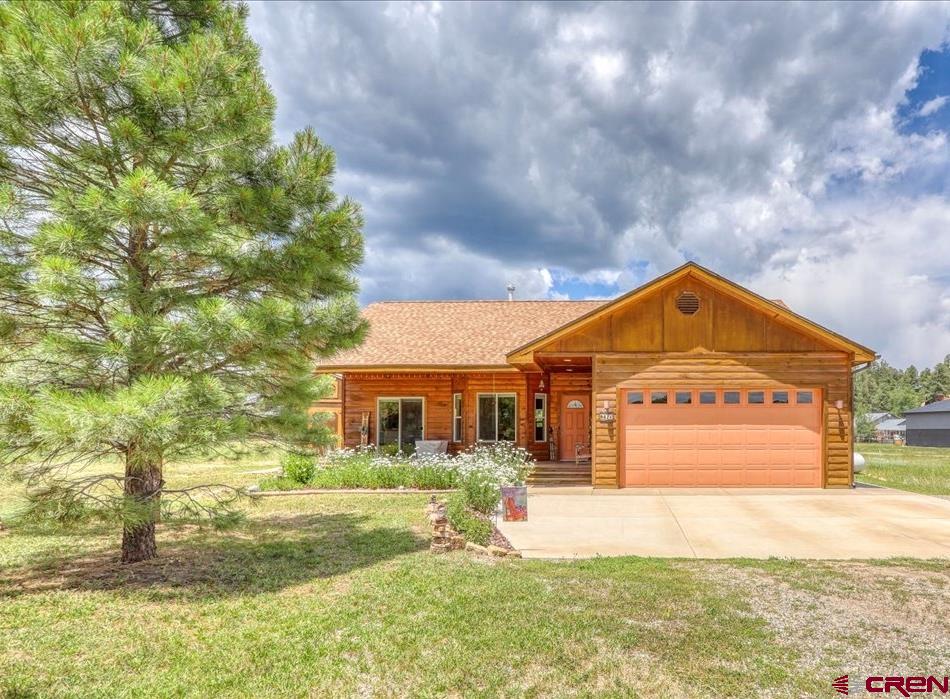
886, 389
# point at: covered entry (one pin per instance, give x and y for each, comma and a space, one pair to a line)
721, 437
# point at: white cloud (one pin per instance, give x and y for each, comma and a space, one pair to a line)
932, 106
609, 142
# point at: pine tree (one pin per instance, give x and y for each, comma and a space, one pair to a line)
168, 274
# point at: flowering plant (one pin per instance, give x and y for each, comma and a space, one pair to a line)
490, 464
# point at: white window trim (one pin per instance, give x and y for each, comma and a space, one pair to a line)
379, 416
478, 417
458, 427
534, 423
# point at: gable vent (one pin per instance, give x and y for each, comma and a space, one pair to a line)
687, 303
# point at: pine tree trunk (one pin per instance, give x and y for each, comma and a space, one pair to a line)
143, 483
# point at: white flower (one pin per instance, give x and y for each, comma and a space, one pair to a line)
500, 463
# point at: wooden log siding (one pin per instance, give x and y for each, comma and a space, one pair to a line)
828, 371
361, 391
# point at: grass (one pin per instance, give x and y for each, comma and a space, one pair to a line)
337, 595
918, 469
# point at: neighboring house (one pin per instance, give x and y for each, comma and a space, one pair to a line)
875, 418
929, 426
890, 429
689, 380
887, 427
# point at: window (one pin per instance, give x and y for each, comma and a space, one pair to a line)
497, 416
803, 397
707, 397
540, 417
456, 417
575, 405
635, 398
684, 397
400, 421
780, 397
658, 397
730, 397
756, 397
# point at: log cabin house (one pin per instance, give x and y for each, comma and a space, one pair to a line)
690, 380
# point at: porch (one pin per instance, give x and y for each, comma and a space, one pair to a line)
561, 473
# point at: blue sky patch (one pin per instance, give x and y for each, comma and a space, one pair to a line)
927, 107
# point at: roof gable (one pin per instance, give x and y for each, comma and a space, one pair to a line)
730, 319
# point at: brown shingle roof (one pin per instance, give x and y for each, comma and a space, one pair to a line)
454, 333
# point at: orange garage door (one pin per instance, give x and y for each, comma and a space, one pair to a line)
700, 437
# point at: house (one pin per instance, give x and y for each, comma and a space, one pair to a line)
887, 427
875, 418
689, 380
929, 426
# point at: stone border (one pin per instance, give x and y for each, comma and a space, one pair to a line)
347, 491
445, 538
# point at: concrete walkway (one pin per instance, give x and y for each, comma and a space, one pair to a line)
865, 522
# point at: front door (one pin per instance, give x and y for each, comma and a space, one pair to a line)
575, 425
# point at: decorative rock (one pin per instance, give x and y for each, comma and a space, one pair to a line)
497, 550
444, 538
475, 548
513, 554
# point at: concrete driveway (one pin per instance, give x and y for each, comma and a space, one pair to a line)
865, 522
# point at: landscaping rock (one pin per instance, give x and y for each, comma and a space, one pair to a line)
475, 548
513, 554
444, 538
497, 550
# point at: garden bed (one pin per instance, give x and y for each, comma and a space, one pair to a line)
348, 491
371, 469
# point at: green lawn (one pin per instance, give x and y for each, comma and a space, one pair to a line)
338, 596
920, 469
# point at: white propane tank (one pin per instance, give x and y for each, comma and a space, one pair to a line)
858, 463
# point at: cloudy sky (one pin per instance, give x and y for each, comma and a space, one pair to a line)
579, 150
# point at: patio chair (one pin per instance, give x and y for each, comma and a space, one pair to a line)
432, 446
581, 453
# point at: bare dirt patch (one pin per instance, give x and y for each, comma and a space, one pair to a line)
849, 617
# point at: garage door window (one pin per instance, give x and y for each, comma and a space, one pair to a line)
732, 397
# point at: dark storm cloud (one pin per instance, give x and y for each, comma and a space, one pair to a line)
543, 142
